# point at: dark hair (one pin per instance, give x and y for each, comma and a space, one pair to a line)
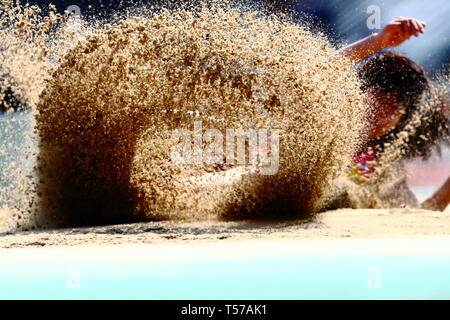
10, 99
407, 82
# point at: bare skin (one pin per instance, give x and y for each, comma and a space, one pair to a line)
386, 111
440, 199
393, 34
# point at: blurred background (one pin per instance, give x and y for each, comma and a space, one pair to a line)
343, 22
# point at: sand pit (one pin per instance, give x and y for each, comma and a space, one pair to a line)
90, 192
108, 97
344, 223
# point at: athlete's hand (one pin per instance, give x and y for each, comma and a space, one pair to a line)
399, 30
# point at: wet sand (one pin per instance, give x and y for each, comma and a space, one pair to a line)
343, 223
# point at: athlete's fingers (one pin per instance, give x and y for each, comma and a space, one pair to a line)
418, 27
404, 30
409, 27
413, 28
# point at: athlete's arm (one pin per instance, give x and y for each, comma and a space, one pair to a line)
393, 34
